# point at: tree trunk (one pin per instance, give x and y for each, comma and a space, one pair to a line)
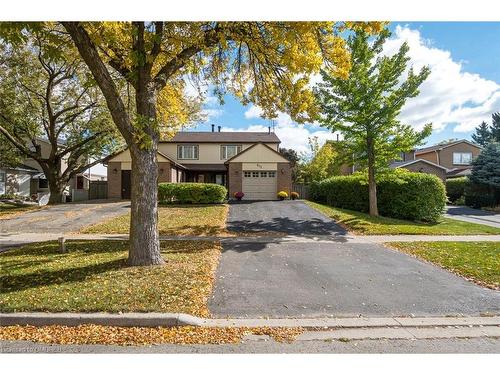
372, 185
144, 238
56, 187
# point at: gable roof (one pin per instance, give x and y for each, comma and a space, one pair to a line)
251, 147
401, 164
224, 137
442, 146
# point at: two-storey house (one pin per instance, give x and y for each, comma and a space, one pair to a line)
242, 161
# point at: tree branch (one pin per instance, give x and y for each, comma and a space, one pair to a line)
89, 53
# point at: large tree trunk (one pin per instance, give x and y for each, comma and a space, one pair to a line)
144, 237
56, 186
372, 185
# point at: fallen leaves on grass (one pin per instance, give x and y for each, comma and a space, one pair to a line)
478, 262
93, 276
105, 335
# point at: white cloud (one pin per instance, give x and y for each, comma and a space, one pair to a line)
449, 95
253, 112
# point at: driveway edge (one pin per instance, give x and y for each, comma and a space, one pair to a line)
180, 319
105, 319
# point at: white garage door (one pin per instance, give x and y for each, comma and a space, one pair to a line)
259, 185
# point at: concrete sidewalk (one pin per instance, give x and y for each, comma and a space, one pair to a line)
9, 240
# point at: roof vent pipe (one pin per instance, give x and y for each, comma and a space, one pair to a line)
268, 130
213, 128
218, 127
337, 137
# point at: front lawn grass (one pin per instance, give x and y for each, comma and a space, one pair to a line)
93, 276
178, 220
362, 223
8, 209
478, 261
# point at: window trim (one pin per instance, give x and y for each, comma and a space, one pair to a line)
461, 158
197, 152
223, 149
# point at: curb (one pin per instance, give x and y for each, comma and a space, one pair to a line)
179, 319
120, 320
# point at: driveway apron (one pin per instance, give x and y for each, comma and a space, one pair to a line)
336, 278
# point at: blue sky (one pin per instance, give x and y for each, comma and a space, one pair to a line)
463, 89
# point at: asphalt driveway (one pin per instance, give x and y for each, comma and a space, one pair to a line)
310, 278
62, 218
472, 215
288, 217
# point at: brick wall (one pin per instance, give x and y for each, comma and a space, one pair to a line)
164, 172
114, 180
235, 178
284, 173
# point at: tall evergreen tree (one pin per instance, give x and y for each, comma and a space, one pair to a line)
482, 134
365, 106
495, 127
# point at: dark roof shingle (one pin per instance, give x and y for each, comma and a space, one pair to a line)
225, 137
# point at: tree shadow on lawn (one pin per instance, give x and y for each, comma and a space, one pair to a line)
309, 227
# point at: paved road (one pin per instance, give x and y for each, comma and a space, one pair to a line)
289, 217
336, 277
69, 217
475, 345
472, 215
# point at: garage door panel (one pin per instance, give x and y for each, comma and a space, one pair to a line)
258, 185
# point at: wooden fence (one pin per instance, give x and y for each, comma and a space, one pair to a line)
98, 190
302, 189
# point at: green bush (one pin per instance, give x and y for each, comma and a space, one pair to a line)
455, 188
477, 196
187, 192
401, 194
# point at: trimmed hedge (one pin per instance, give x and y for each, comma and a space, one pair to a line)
455, 188
401, 194
188, 192
478, 196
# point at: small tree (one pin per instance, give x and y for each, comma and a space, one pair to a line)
323, 162
365, 106
294, 159
43, 96
482, 135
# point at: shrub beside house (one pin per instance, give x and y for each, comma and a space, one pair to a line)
401, 194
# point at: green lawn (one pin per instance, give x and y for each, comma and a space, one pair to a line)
93, 276
478, 261
188, 220
362, 223
12, 209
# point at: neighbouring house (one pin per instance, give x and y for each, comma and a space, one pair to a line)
28, 179
455, 156
241, 161
445, 160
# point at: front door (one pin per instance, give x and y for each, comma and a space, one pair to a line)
126, 185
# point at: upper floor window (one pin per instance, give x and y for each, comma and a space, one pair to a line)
187, 152
228, 151
462, 158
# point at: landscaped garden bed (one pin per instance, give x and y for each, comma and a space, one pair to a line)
476, 261
93, 276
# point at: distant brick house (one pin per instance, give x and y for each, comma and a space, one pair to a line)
446, 160
241, 161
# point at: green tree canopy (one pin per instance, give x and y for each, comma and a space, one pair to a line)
365, 106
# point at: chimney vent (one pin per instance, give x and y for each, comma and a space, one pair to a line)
268, 130
213, 128
219, 127
337, 137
